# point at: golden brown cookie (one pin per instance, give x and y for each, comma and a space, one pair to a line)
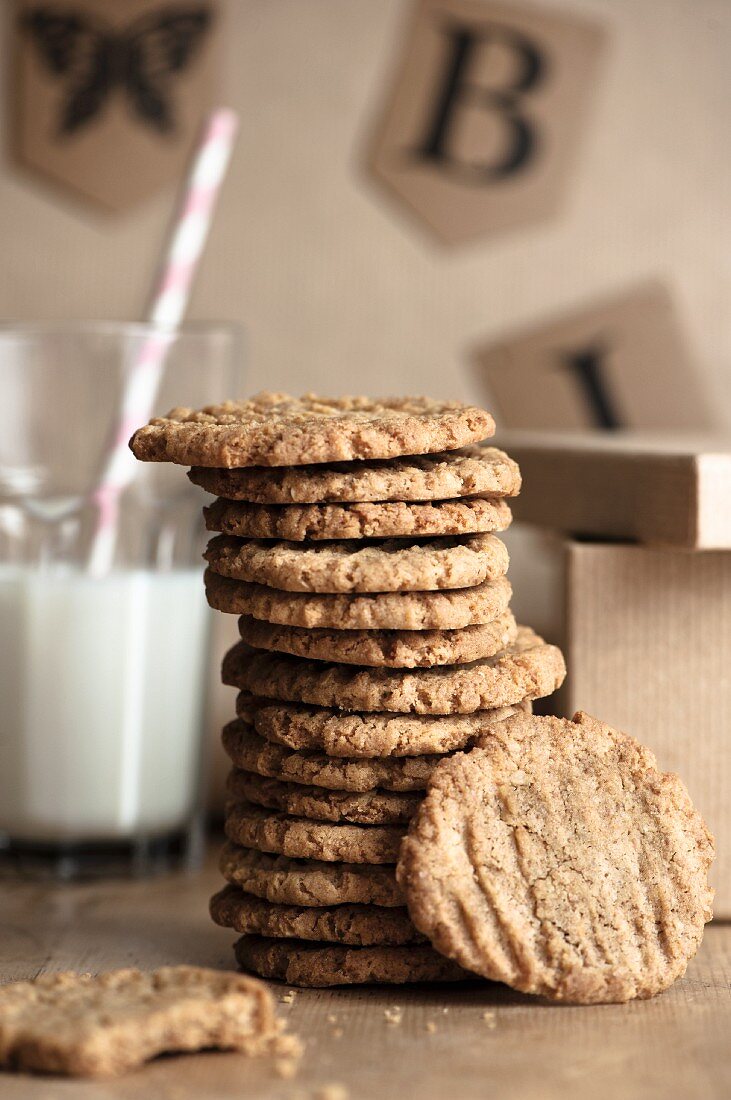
345, 733
450, 609
314, 965
253, 827
384, 648
104, 1025
274, 429
359, 925
288, 881
557, 859
388, 565
528, 669
395, 519
374, 807
472, 471
252, 753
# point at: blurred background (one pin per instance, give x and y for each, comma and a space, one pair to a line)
337, 280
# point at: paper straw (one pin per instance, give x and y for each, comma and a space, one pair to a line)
169, 302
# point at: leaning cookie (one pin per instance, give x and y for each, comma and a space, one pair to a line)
557, 859
274, 429
472, 471
317, 965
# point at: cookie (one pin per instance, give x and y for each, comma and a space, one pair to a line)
470, 472
252, 753
254, 827
528, 669
450, 609
309, 881
342, 733
104, 1025
558, 860
374, 807
313, 965
359, 925
388, 565
384, 648
274, 429
398, 519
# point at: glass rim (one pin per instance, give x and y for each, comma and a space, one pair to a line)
23, 330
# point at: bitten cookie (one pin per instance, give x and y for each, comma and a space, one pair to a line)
102, 1026
314, 965
274, 429
450, 609
384, 648
359, 925
469, 472
527, 669
249, 751
388, 565
557, 859
288, 881
345, 733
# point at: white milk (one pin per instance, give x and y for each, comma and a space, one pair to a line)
101, 685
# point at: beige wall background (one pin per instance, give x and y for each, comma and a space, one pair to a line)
339, 290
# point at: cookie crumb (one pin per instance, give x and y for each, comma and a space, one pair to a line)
393, 1015
430, 1026
490, 1019
332, 1018
332, 1092
337, 1033
288, 997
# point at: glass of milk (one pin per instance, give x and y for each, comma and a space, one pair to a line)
101, 676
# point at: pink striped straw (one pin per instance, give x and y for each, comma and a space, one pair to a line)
169, 302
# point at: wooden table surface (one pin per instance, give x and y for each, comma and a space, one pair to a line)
675, 1047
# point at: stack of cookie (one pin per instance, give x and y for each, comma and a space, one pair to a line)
356, 541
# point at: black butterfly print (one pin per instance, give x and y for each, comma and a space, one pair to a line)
93, 59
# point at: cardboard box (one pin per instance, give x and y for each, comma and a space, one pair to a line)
647, 638
653, 489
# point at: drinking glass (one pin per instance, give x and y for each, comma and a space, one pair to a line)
101, 676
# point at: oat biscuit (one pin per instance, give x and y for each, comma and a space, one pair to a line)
397, 519
344, 733
254, 827
252, 753
314, 965
374, 807
309, 881
358, 925
274, 429
101, 1026
384, 648
388, 565
449, 609
528, 669
472, 471
558, 860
